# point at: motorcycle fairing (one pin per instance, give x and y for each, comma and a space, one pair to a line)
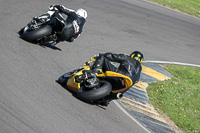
128, 81
71, 83
74, 86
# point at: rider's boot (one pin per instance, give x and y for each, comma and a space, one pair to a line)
103, 102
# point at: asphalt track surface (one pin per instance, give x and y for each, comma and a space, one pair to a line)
30, 99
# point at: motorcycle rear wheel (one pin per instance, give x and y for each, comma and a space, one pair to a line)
37, 34
94, 94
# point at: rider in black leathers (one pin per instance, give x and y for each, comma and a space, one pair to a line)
130, 65
73, 22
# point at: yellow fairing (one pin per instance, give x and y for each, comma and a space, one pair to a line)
76, 86
71, 81
128, 81
72, 84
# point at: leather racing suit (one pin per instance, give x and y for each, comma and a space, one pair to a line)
128, 66
73, 24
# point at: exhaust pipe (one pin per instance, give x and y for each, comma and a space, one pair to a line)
115, 96
119, 95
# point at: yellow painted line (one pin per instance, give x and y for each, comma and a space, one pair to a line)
142, 89
142, 84
141, 108
156, 118
134, 101
154, 74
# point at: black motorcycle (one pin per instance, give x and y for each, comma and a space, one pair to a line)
44, 30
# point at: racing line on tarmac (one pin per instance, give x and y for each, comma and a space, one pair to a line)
135, 102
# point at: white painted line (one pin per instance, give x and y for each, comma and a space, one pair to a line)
173, 63
130, 116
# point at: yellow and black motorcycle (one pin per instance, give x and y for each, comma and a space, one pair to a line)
101, 88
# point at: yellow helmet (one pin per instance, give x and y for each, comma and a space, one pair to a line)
137, 55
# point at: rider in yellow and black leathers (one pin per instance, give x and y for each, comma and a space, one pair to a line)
130, 65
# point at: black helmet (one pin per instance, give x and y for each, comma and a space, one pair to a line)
137, 55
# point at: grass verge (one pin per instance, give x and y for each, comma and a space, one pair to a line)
191, 7
179, 97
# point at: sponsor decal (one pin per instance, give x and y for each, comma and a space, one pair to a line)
76, 27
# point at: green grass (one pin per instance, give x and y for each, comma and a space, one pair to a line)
191, 7
179, 97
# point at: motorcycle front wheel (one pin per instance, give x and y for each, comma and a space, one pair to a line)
62, 80
37, 34
96, 93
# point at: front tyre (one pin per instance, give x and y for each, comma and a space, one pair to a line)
62, 80
97, 93
37, 34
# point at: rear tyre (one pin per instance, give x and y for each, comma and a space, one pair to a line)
96, 93
37, 34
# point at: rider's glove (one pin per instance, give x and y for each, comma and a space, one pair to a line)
101, 54
97, 55
54, 7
